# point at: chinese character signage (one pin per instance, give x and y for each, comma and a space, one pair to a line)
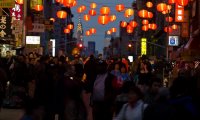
17, 12
7, 3
179, 14
5, 26
143, 46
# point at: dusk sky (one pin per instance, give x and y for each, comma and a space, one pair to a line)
99, 36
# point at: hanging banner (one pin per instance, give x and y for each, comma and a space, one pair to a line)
7, 3
17, 11
33, 3
179, 13
5, 27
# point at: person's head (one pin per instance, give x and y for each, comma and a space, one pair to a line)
117, 66
123, 68
8, 54
155, 84
134, 95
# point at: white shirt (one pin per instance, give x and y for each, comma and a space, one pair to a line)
129, 113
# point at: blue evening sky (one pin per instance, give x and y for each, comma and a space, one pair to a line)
99, 36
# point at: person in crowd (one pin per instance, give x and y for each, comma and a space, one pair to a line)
3, 80
103, 94
154, 85
124, 74
134, 109
160, 109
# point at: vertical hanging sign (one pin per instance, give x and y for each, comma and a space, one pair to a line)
5, 27
143, 46
179, 13
17, 11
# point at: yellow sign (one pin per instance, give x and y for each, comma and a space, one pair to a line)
143, 46
33, 3
7, 3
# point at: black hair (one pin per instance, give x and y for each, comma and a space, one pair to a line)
137, 91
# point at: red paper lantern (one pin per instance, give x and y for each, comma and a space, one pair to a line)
129, 29
66, 30
169, 7
93, 30
171, 1
168, 29
128, 12
169, 19
20, 2
113, 29
68, 2
174, 26
153, 26
93, 5
164, 12
182, 2
149, 4
105, 10
145, 22
103, 19
161, 7
149, 15
86, 17
79, 10
61, 14
143, 13
120, 7
39, 8
145, 28
88, 33
70, 26
83, 7
133, 23
92, 12
113, 18
123, 24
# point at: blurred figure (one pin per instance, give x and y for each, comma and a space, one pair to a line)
135, 107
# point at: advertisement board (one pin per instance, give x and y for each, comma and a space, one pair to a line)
33, 40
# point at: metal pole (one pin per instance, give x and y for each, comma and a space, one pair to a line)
24, 23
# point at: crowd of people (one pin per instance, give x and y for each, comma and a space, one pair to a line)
92, 88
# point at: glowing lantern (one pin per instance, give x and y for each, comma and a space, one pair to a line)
145, 22
143, 13
164, 12
182, 2
74, 3
168, 29
79, 10
93, 5
93, 30
61, 14
83, 7
39, 7
120, 7
171, 1
109, 32
92, 12
174, 26
133, 23
149, 15
66, 30
149, 26
88, 33
20, 2
103, 19
149, 4
145, 28
86, 17
70, 26
129, 12
123, 24
68, 3
169, 19
105, 10
153, 26
113, 29
129, 29
169, 7
113, 18
161, 7
52, 19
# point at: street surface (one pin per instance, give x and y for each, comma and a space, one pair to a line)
11, 114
